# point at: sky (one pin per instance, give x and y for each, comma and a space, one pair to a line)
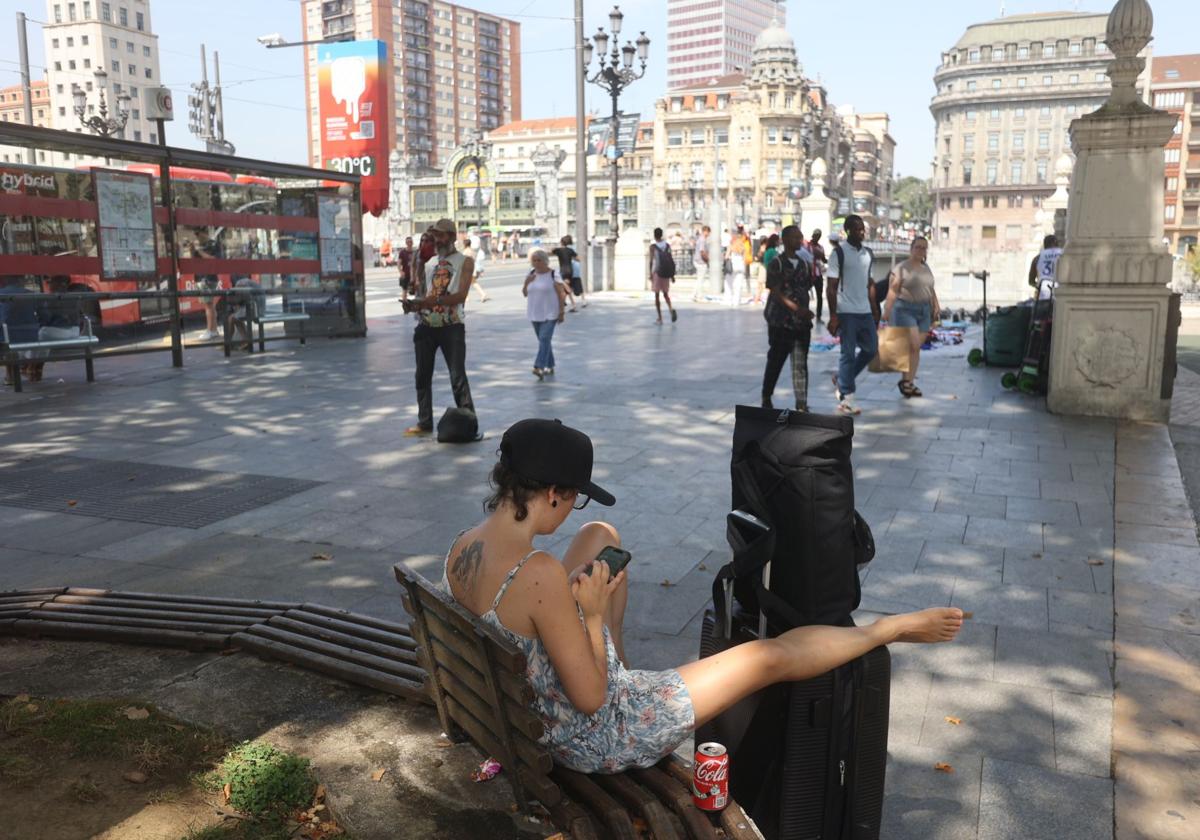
880, 56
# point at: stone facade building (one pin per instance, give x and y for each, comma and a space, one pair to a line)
12, 109
757, 135
526, 183
1007, 92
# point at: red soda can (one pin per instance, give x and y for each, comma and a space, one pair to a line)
710, 777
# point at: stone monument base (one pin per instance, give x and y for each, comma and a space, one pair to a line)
1107, 352
630, 262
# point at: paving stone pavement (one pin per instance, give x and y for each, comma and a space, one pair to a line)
977, 498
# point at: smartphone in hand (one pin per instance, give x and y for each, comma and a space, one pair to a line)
616, 558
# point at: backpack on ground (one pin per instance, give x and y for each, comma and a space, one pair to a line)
666, 263
458, 425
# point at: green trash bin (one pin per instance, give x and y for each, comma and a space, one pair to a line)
1007, 332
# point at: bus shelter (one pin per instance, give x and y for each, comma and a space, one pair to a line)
152, 243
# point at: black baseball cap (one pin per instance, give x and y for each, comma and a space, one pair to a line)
550, 453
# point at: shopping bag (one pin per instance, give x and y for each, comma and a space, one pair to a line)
893, 351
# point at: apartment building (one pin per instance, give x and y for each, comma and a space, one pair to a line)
100, 46
874, 167
1007, 92
454, 70
12, 109
1175, 87
713, 38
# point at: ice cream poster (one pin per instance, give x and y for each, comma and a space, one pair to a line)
353, 115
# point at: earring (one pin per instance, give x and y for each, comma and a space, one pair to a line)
554, 503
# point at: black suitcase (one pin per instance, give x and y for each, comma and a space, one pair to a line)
807, 760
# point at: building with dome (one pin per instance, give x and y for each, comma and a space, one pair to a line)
755, 133
707, 38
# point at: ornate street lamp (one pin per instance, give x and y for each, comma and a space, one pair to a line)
614, 74
476, 149
101, 123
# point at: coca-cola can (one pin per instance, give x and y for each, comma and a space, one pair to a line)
710, 777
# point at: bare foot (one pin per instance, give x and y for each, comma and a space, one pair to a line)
938, 624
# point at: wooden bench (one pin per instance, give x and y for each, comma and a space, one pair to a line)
477, 681
262, 315
12, 350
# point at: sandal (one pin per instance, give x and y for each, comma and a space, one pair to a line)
906, 388
914, 391
539, 373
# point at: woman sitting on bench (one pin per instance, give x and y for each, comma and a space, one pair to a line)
566, 617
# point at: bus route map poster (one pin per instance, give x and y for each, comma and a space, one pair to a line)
127, 239
337, 235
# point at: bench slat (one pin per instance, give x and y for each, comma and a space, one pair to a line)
537, 762
113, 602
586, 792
367, 660
461, 643
638, 799
571, 818
127, 621
128, 635
162, 615
334, 637
525, 723
517, 702
381, 636
82, 341
734, 822
678, 799
516, 688
505, 653
333, 667
365, 620
185, 599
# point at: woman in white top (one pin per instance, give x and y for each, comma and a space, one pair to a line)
545, 296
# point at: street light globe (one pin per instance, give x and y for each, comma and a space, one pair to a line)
601, 39
627, 53
273, 39
614, 19
643, 48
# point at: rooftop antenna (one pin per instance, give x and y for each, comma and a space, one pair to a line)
1002, 7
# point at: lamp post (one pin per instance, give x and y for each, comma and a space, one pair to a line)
101, 123
614, 74
476, 148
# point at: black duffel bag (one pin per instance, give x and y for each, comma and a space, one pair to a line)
792, 471
458, 425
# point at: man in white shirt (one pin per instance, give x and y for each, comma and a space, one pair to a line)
852, 310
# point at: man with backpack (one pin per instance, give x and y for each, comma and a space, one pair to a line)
789, 320
853, 310
662, 274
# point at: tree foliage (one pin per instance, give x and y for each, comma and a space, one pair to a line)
912, 194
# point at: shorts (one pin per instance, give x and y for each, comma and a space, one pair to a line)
576, 285
906, 314
404, 283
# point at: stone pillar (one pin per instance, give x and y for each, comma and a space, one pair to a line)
1110, 313
817, 208
630, 262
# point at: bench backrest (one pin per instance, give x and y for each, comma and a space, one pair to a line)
478, 685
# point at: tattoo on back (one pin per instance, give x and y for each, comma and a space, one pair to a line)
466, 567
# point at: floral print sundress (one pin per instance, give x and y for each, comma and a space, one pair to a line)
645, 716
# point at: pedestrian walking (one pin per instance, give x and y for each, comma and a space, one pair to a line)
404, 264
438, 304
477, 250
662, 274
912, 304
700, 259
853, 311
1044, 268
545, 301
739, 260
819, 263
566, 271
789, 320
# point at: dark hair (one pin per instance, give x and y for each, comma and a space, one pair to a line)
508, 486
773, 240
1050, 241
853, 217
792, 229
567, 241
658, 233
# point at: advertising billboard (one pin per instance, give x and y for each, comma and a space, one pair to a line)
353, 115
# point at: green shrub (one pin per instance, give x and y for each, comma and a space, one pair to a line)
263, 780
